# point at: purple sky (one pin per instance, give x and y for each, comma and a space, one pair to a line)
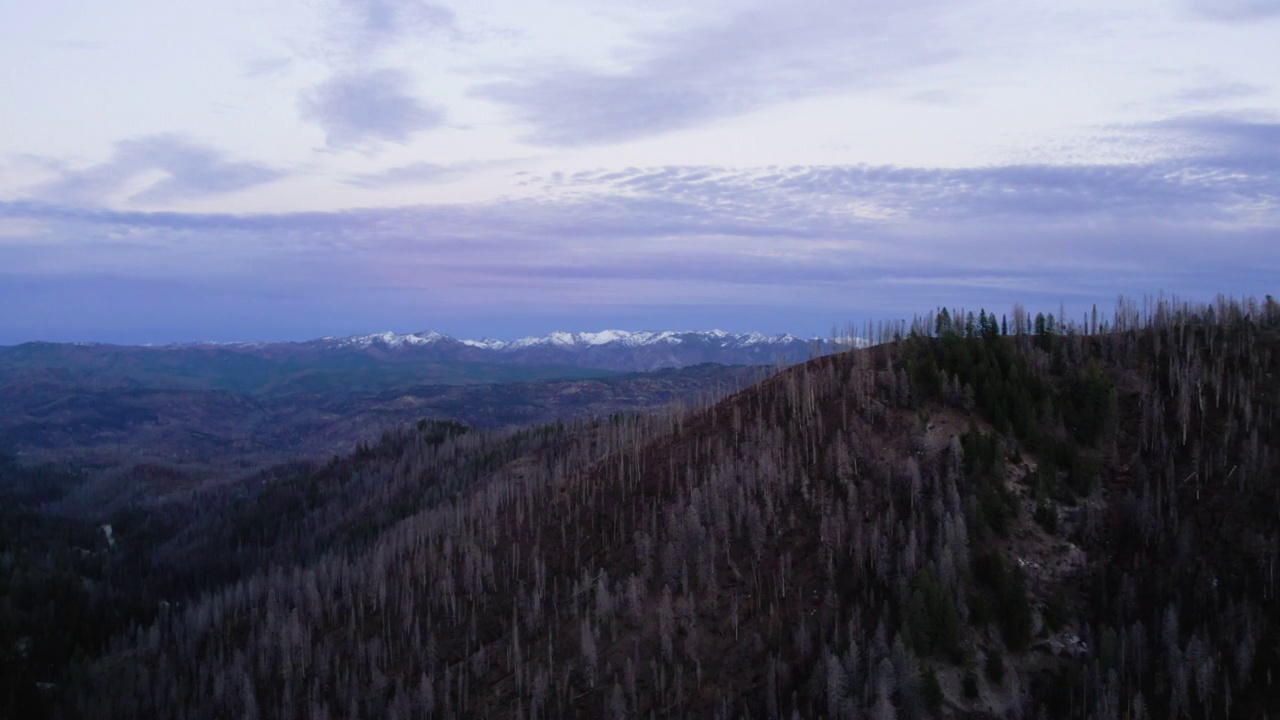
225, 171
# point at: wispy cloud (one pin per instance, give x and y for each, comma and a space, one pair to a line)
1243, 150
754, 58
422, 173
1235, 163
190, 169
362, 102
387, 18
1235, 10
1217, 92
368, 26
267, 66
359, 108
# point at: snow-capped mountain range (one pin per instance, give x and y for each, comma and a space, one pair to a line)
621, 338
618, 350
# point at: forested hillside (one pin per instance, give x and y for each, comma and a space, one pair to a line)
198, 429
978, 517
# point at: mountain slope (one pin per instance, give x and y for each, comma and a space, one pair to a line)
966, 525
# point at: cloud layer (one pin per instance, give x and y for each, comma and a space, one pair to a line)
827, 241
758, 162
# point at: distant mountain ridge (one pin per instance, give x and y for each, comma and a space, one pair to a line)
384, 361
585, 339
615, 350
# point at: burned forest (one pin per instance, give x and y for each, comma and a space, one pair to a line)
974, 516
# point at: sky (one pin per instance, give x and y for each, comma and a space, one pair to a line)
240, 170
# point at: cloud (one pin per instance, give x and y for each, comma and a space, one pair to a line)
364, 27
1216, 92
1239, 167
1239, 149
190, 170
267, 66
359, 104
1236, 10
397, 18
359, 108
750, 60
422, 173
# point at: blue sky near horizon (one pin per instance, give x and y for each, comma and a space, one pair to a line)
250, 171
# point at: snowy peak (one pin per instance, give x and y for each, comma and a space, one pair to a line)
562, 340
388, 339
590, 339
485, 343
570, 340
624, 338
616, 350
